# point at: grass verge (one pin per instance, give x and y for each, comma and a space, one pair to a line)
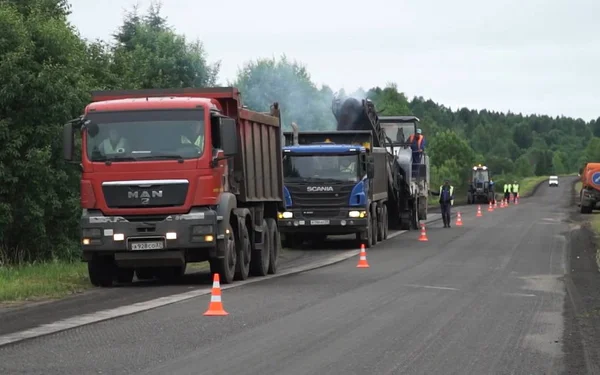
42, 281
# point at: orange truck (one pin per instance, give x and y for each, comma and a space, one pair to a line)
589, 196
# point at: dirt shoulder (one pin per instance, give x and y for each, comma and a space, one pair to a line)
581, 342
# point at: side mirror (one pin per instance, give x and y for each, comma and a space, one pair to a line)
370, 170
229, 141
68, 141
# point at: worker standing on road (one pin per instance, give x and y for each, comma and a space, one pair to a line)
417, 144
507, 190
515, 190
446, 194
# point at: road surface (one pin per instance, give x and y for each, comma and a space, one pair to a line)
485, 298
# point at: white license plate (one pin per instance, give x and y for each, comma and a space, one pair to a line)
319, 222
154, 245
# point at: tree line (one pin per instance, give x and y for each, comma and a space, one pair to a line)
49, 70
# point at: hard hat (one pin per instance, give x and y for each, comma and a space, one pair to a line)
419, 131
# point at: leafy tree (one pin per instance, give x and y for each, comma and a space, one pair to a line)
44, 83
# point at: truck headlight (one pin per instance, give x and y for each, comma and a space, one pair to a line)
286, 215
355, 214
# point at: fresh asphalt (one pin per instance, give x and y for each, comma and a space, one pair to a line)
484, 298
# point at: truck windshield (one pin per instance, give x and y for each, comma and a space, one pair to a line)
481, 176
146, 135
398, 132
298, 168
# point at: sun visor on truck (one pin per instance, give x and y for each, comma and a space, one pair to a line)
359, 138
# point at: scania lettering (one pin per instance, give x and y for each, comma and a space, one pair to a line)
177, 176
319, 188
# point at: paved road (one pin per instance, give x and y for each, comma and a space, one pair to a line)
485, 298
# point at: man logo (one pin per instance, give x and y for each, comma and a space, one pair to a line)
313, 189
144, 195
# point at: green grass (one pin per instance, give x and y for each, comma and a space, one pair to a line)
42, 281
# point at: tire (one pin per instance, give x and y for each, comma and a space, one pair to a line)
101, 271
125, 275
374, 229
275, 249
385, 222
366, 236
380, 224
259, 263
414, 217
225, 266
244, 253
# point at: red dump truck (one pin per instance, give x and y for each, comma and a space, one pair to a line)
590, 188
177, 176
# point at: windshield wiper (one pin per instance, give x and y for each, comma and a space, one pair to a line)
108, 161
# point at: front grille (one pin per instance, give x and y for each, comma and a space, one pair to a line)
320, 213
338, 198
135, 196
145, 218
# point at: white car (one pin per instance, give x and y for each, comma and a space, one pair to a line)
553, 181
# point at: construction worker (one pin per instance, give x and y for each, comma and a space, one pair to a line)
417, 144
507, 191
515, 190
114, 144
446, 194
198, 136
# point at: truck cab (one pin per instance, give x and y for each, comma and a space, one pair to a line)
326, 189
165, 182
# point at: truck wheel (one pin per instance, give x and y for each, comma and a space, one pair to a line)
125, 275
225, 266
585, 210
275, 248
259, 263
373, 230
380, 224
244, 250
385, 222
101, 271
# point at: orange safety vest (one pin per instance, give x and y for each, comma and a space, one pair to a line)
419, 141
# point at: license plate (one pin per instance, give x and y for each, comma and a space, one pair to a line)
319, 222
153, 245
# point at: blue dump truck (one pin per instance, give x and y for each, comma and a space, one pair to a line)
355, 180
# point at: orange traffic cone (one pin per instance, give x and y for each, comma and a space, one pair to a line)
495, 203
459, 220
362, 260
479, 211
490, 207
423, 236
215, 307
516, 200
502, 203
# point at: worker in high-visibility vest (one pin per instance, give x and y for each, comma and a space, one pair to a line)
198, 134
446, 194
114, 144
417, 144
515, 190
507, 191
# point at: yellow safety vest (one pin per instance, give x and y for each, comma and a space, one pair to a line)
451, 193
506, 188
199, 141
515, 188
107, 148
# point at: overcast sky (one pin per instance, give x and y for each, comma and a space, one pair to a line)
530, 56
